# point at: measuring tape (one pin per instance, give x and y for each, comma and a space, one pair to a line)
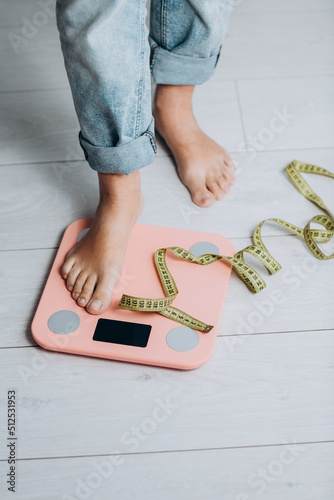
247, 274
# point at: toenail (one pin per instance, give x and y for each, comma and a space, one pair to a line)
64, 276
95, 304
75, 295
82, 301
205, 197
70, 288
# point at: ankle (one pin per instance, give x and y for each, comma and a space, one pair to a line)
173, 96
173, 112
119, 186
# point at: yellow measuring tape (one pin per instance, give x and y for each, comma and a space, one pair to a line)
248, 275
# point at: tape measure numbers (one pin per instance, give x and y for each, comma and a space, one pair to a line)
247, 274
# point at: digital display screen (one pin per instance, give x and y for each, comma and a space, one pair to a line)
122, 332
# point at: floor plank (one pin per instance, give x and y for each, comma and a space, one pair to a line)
39, 58
48, 197
297, 298
272, 389
300, 110
275, 42
269, 380
14, 12
290, 472
286, 6
42, 126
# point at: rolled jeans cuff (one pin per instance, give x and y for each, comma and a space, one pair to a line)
173, 69
123, 159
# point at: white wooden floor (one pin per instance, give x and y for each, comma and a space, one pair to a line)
257, 421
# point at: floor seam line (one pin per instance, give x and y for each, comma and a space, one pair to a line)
176, 451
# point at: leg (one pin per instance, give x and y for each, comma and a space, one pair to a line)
106, 56
186, 38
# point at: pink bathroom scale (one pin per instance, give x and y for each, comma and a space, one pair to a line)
148, 338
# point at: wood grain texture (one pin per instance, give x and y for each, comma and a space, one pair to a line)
291, 472
265, 40
42, 126
39, 58
12, 12
40, 200
305, 103
269, 382
271, 389
286, 6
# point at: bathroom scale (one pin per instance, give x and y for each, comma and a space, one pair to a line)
148, 338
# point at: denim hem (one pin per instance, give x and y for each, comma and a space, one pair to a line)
123, 159
174, 69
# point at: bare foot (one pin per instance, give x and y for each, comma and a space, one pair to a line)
204, 167
94, 265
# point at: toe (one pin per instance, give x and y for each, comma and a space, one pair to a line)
216, 189
229, 179
227, 158
66, 268
199, 192
79, 282
229, 169
203, 198
71, 278
229, 162
228, 174
224, 184
87, 291
101, 298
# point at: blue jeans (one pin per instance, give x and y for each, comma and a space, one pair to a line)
109, 54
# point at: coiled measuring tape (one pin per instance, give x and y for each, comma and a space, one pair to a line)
247, 274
